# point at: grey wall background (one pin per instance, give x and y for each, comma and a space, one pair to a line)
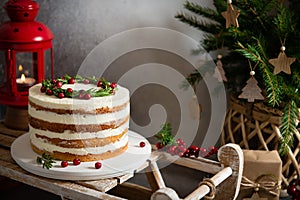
80, 25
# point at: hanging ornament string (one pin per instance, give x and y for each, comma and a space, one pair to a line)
231, 15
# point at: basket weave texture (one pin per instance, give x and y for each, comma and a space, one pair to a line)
256, 127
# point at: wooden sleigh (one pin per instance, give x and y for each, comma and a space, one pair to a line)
224, 183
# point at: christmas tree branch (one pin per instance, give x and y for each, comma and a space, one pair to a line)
199, 24
205, 12
288, 125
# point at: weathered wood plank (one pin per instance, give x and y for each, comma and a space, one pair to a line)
122, 179
131, 191
7, 131
201, 164
66, 189
103, 185
5, 155
6, 140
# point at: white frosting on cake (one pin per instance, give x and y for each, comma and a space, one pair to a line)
42, 144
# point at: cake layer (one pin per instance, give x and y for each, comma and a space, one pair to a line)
70, 135
83, 158
60, 128
43, 145
120, 98
80, 143
78, 118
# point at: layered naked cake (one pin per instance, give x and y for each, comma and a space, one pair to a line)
89, 128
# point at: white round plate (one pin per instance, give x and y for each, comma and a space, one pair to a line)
123, 164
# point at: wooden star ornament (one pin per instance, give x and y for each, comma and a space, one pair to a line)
282, 63
231, 16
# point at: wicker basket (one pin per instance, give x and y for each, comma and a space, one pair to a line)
256, 127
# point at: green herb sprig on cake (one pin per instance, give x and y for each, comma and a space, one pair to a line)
54, 87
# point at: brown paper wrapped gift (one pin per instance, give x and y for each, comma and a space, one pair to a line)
261, 174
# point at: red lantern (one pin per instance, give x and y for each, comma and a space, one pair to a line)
26, 55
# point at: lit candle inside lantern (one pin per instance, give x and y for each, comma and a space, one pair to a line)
20, 68
24, 82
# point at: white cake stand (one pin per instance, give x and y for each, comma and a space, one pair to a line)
123, 164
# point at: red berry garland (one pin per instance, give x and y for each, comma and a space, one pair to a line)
178, 147
54, 87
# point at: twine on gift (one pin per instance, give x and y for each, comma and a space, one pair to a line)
266, 182
208, 182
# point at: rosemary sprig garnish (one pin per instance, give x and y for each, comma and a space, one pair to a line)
54, 87
46, 160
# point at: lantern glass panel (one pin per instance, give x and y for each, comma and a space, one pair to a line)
25, 69
48, 64
3, 72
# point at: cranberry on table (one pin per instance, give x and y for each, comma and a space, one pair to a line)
159, 145
86, 81
64, 163
99, 84
76, 161
98, 165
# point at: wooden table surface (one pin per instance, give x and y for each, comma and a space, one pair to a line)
96, 189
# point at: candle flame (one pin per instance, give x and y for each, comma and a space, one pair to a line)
23, 78
20, 68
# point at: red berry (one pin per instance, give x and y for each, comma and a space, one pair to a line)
179, 141
159, 145
76, 161
87, 96
64, 163
71, 81
142, 144
86, 81
43, 89
70, 90
61, 95
193, 147
80, 96
54, 81
59, 84
113, 85
49, 92
98, 165
99, 84
171, 150
213, 149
